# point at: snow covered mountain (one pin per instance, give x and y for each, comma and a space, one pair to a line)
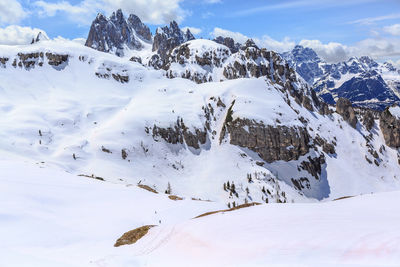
363, 81
248, 117
203, 126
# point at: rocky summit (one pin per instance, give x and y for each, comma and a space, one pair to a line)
114, 34
167, 38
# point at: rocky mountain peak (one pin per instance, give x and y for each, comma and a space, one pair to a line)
141, 29
249, 43
167, 38
305, 54
118, 17
115, 33
40, 36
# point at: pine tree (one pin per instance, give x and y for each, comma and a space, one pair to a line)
224, 187
168, 191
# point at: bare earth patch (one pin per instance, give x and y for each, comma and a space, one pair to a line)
148, 188
340, 198
92, 176
132, 236
231, 209
173, 197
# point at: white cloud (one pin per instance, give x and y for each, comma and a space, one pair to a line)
372, 20
17, 35
314, 4
378, 48
11, 12
393, 29
207, 15
193, 30
153, 11
330, 52
275, 45
213, 1
237, 36
266, 41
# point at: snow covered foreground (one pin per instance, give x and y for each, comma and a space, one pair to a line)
52, 218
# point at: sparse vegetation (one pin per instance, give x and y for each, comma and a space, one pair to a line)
173, 197
246, 205
148, 188
133, 236
168, 190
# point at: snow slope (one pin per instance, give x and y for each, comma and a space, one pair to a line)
361, 231
51, 218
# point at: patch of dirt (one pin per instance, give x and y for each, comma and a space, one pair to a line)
132, 236
92, 176
231, 209
148, 188
199, 199
173, 197
340, 198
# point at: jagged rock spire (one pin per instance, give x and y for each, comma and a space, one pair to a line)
167, 38
114, 33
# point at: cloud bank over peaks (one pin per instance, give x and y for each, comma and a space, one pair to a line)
154, 11
17, 35
379, 48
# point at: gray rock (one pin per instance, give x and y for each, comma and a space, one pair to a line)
229, 42
139, 27
271, 143
390, 127
167, 38
113, 34
368, 120
345, 109
179, 133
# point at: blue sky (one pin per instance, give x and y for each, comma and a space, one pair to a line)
334, 28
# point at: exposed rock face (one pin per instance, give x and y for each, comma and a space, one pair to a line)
271, 143
313, 165
56, 59
326, 147
140, 28
31, 60
107, 71
167, 38
115, 33
390, 127
344, 108
207, 59
368, 120
179, 133
229, 42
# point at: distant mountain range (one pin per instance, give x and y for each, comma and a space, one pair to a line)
363, 81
